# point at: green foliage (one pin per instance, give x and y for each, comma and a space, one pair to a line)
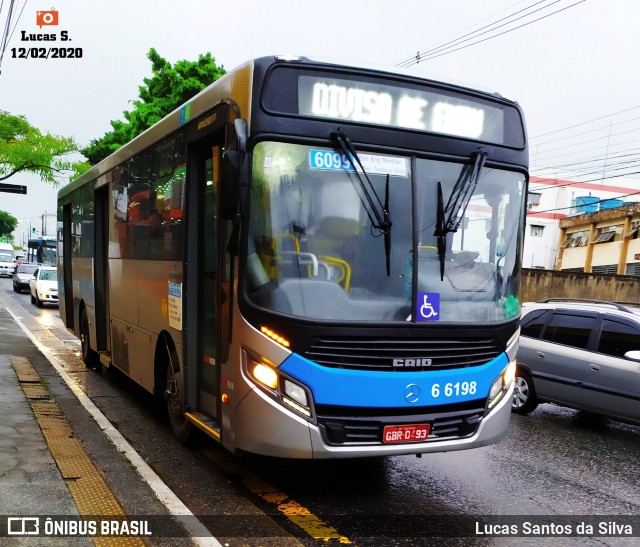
8, 224
79, 168
167, 89
25, 148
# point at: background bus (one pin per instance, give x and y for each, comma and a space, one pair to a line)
309, 260
42, 250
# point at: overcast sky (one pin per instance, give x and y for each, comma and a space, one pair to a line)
568, 68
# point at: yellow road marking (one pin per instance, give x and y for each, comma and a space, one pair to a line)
299, 515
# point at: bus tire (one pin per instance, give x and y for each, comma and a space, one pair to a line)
89, 356
174, 398
524, 394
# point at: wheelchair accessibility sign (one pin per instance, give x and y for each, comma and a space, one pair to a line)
428, 306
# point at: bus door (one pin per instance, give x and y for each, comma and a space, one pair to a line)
100, 268
203, 268
68, 315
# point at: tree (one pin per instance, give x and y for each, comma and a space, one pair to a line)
8, 224
167, 89
24, 148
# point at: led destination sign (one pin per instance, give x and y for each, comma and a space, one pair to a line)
420, 109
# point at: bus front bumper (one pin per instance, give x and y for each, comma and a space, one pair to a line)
272, 430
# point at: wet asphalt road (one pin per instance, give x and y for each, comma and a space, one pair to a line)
553, 463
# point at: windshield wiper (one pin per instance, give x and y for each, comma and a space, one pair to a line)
449, 217
377, 211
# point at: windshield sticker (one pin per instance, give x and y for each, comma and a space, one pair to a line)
329, 160
428, 306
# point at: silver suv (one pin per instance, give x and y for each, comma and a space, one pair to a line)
581, 354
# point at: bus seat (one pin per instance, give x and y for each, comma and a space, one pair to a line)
332, 234
310, 298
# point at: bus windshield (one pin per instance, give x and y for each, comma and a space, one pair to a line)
314, 251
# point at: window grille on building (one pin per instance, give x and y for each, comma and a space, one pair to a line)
633, 269
608, 269
605, 237
576, 239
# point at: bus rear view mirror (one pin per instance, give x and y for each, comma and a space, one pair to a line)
230, 183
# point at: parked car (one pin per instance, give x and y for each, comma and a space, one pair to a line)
7, 265
44, 286
580, 354
23, 274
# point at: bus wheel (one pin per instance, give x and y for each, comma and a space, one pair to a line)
89, 356
524, 394
174, 397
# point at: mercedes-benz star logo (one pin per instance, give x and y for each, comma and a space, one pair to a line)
412, 393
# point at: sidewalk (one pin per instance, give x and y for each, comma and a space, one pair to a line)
30, 481
45, 470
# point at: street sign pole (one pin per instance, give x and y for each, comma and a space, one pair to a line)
13, 188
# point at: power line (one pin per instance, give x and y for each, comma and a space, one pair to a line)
588, 141
588, 131
7, 33
419, 56
586, 162
584, 150
599, 179
572, 183
15, 25
584, 123
474, 33
610, 168
624, 159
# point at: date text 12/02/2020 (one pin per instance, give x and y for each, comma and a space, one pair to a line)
46, 52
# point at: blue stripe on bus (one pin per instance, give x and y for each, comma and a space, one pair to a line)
359, 388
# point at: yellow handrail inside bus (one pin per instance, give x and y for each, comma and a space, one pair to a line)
343, 266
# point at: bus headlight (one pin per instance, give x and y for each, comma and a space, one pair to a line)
295, 392
295, 396
501, 384
281, 387
264, 374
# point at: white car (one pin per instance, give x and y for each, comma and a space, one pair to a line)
7, 265
44, 286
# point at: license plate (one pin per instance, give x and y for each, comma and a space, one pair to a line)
410, 433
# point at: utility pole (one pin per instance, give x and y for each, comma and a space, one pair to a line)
44, 222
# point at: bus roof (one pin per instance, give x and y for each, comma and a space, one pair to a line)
235, 84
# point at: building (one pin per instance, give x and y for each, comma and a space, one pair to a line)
601, 242
551, 201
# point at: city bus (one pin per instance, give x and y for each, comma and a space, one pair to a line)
309, 260
42, 250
